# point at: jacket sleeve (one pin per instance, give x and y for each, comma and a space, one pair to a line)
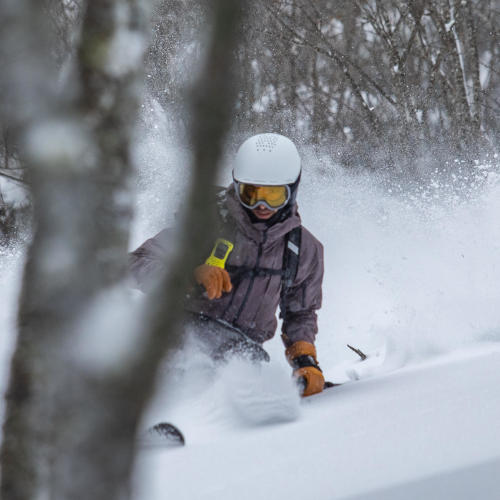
147, 263
304, 298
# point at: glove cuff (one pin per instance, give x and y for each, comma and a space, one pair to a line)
299, 349
304, 362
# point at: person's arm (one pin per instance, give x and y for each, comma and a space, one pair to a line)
147, 263
300, 324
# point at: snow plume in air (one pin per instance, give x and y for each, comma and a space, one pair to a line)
163, 175
207, 396
413, 272
261, 394
409, 273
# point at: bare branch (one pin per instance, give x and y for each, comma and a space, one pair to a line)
3, 173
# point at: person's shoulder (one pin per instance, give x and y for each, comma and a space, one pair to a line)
311, 256
161, 239
164, 234
309, 240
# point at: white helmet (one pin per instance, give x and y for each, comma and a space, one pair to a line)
267, 160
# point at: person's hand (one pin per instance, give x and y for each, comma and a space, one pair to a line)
310, 380
302, 357
215, 280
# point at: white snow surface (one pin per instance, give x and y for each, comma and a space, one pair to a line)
413, 280
428, 431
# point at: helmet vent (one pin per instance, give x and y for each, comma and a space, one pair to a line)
266, 142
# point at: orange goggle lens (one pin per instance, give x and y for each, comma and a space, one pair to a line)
273, 196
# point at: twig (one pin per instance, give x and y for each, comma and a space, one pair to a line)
359, 352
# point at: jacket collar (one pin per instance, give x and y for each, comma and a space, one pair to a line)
259, 230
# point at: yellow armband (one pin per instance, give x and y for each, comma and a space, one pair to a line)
220, 253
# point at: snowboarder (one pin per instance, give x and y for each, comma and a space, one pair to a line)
261, 258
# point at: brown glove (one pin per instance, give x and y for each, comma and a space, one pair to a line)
215, 280
302, 357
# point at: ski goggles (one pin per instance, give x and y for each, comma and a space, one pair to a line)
272, 197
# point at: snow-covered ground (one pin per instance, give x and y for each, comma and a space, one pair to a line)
411, 279
425, 432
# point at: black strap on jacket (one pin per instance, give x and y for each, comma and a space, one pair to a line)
291, 256
291, 259
238, 273
288, 270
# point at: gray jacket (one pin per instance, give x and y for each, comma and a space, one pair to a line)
251, 305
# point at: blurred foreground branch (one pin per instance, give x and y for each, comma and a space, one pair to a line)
212, 102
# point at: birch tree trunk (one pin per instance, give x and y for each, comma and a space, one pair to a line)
474, 64
76, 145
74, 399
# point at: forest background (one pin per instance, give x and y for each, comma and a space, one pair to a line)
409, 88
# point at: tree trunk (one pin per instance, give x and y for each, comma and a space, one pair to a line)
77, 151
74, 401
474, 63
